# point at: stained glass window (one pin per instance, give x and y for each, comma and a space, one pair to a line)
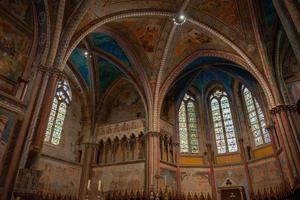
58, 112
256, 118
188, 126
222, 122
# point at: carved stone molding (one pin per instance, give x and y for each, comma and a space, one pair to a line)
286, 108
153, 133
127, 128
52, 70
12, 104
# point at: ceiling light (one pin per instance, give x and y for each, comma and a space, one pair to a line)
179, 19
86, 53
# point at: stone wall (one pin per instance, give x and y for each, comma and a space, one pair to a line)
59, 176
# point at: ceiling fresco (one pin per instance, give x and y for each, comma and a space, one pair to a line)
20, 9
225, 11
79, 60
105, 7
107, 43
108, 73
204, 77
147, 36
269, 12
190, 39
208, 76
146, 31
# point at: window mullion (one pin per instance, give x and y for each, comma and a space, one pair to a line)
258, 120
188, 125
54, 121
223, 124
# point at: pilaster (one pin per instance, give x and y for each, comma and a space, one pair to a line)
153, 161
287, 140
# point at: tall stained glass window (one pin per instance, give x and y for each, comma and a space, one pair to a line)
188, 126
58, 112
256, 118
222, 121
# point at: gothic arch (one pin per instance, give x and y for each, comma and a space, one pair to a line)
154, 123
231, 57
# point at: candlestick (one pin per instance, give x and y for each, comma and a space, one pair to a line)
165, 179
89, 184
99, 185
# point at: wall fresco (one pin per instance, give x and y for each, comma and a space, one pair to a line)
235, 174
59, 177
195, 180
126, 105
14, 50
167, 178
120, 177
265, 174
7, 123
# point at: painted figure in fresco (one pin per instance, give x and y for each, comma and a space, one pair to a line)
148, 37
3, 122
13, 50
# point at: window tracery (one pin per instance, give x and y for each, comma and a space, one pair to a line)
188, 126
222, 122
256, 118
57, 116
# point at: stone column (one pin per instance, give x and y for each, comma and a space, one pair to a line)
86, 169
210, 160
284, 9
152, 161
162, 147
287, 141
246, 168
39, 134
176, 154
168, 150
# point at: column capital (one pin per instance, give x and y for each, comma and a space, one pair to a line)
278, 109
153, 133
51, 70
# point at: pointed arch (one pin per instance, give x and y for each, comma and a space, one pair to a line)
255, 117
187, 124
224, 129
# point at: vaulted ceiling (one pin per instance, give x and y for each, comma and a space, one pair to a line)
135, 37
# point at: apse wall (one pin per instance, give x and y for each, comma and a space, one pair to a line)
60, 163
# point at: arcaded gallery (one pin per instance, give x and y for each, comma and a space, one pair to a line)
149, 99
